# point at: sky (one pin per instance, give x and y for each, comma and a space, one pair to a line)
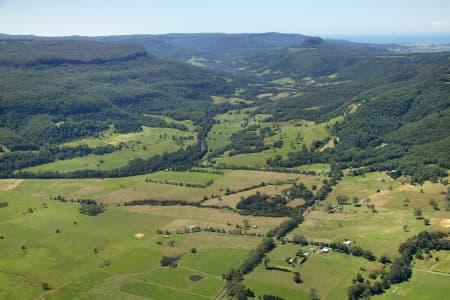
313, 17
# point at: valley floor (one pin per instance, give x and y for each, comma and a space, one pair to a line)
51, 251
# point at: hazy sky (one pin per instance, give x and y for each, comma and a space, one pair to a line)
105, 17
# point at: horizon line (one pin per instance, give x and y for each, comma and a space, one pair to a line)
227, 33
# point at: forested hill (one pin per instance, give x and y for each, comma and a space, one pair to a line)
226, 52
394, 107
52, 52
52, 91
213, 50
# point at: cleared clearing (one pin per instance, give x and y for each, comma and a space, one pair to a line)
145, 144
293, 135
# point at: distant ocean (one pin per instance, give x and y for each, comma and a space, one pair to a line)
435, 38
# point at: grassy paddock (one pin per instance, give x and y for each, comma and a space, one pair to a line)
381, 231
149, 142
99, 257
119, 190
293, 134
232, 179
228, 123
422, 285
185, 216
318, 272
233, 199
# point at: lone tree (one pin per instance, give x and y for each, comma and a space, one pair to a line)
46, 286
266, 262
418, 213
167, 261
434, 204
297, 277
406, 201
313, 295
384, 259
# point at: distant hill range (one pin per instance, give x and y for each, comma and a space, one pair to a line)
219, 51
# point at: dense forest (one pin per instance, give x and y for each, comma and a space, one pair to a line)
395, 107
50, 86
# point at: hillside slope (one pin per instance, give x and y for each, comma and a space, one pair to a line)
394, 106
47, 86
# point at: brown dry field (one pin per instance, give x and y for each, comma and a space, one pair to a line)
185, 216
9, 184
445, 223
296, 202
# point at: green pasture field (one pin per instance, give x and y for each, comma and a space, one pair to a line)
438, 262
185, 177
293, 134
318, 168
120, 190
149, 142
100, 257
381, 231
188, 123
296, 133
228, 123
422, 285
255, 160
330, 274
232, 179
185, 216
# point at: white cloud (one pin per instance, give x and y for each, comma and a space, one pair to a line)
440, 23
